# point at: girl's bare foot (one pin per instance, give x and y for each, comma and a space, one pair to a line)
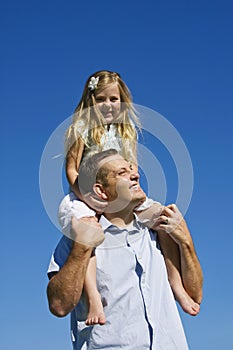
188, 304
96, 313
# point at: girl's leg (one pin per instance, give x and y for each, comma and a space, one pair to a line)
96, 312
72, 207
172, 259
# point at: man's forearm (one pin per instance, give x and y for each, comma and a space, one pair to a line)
65, 288
172, 222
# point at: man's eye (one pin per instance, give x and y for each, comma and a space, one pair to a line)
123, 172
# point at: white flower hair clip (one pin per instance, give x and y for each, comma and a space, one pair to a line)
93, 83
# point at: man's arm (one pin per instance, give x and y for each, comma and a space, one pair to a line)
172, 223
65, 287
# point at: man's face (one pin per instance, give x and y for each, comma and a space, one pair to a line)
122, 185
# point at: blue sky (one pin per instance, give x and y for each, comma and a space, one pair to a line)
176, 57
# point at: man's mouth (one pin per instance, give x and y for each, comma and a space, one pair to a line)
135, 187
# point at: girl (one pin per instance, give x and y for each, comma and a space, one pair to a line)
105, 118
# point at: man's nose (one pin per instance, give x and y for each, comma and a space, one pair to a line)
134, 175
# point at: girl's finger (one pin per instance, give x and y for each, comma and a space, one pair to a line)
163, 219
173, 208
167, 211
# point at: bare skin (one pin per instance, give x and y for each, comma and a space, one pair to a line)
171, 251
171, 224
169, 247
171, 227
66, 286
108, 101
96, 313
171, 254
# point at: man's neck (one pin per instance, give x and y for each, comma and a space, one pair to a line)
121, 218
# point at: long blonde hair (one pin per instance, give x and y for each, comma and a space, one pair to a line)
87, 116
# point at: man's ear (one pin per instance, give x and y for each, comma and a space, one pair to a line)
99, 191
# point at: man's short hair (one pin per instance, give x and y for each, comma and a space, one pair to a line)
90, 172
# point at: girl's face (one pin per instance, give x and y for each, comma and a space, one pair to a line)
109, 102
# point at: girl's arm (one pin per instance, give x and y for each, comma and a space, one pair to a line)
73, 160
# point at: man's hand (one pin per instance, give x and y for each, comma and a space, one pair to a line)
172, 222
87, 231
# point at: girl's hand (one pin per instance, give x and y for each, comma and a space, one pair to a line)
87, 231
95, 202
172, 222
149, 216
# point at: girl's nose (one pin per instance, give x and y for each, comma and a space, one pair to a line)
107, 103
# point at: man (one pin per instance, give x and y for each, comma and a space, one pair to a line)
140, 309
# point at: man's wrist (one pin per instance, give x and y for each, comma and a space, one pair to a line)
80, 250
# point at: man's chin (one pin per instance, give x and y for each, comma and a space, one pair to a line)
138, 204
118, 205
141, 199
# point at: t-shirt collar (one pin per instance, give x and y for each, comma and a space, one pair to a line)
105, 223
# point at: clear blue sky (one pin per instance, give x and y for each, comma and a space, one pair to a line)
176, 57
